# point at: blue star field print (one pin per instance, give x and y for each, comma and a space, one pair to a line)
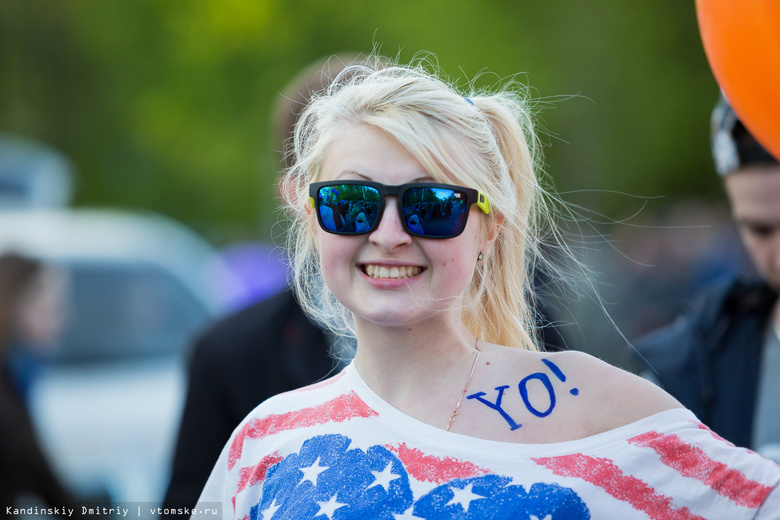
327, 480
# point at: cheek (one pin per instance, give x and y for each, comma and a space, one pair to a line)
335, 255
327, 253
468, 245
456, 260
757, 249
460, 272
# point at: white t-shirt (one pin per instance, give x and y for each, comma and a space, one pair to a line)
336, 451
766, 421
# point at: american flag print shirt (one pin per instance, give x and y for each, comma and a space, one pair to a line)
337, 451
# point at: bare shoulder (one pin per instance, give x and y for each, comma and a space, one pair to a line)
538, 397
615, 396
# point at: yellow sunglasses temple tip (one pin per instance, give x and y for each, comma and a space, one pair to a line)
483, 202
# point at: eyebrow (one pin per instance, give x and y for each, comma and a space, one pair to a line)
756, 222
423, 178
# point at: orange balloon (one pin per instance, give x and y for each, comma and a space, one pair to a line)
742, 42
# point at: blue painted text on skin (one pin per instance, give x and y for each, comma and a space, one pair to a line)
523, 389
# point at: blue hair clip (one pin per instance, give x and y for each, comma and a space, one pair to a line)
470, 101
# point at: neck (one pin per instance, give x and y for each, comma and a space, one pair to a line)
400, 362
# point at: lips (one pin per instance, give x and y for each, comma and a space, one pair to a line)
393, 272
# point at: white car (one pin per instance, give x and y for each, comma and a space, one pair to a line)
107, 406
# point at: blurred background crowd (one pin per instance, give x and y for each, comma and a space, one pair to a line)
138, 160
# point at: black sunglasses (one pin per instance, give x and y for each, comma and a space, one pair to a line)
426, 209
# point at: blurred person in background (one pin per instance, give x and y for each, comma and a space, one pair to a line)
721, 359
266, 349
32, 316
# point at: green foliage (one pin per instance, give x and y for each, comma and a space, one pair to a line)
165, 104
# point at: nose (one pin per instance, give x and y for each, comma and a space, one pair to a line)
390, 233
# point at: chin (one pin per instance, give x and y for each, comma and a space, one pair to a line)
402, 315
390, 318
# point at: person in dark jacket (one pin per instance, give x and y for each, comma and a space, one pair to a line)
722, 358
268, 348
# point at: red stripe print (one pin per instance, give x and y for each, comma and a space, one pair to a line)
340, 409
606, 475
251, 475
429, 468
692, 462
237, 446
706, 428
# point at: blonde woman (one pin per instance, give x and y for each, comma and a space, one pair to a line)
449, 409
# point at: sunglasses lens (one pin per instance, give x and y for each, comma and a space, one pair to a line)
434, 212
348, 208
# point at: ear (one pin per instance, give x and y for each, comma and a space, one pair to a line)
495, 226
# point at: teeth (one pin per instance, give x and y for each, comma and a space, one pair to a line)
398, 272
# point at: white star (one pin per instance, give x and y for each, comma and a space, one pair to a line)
408, 515
464, 497
312, 472
329, 507
268, 513
384, 477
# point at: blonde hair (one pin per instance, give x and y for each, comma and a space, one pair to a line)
484, 141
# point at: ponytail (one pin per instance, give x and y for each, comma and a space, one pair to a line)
502, 309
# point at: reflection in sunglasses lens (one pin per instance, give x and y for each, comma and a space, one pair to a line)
348, 208
434, 212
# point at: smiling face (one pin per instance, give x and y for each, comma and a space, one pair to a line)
388, 277
754, 194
